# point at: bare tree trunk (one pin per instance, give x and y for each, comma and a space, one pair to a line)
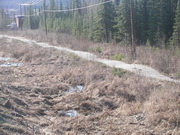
133, 46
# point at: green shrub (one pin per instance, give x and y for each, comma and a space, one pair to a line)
118, 57
74, 57
98, 49
178, 75
118, 72
148, 43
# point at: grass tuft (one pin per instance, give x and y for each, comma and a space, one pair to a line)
118, 72
118, 57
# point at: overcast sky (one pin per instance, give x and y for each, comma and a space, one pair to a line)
11, 3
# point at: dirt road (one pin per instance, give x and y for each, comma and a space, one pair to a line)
135, 68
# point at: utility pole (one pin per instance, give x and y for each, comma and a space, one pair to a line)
44, 7
2, 13
2, 18
133, 46
20, 18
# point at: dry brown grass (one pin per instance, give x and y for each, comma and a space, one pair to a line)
108, 105
164, 60
163, 107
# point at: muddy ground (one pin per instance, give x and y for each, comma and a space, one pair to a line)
49, 92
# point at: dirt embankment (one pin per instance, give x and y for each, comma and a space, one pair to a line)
58, 93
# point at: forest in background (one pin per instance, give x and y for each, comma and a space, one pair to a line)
156, 22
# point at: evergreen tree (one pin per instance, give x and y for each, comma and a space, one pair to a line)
123, 29
153, 20
41, 19
77, 19
3, 19
176, 33
104, 22
77, 24
90, 25
142, 19
51, 15
27, 19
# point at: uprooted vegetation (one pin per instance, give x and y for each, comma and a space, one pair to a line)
35, 97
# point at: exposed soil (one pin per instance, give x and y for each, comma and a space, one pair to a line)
35, 97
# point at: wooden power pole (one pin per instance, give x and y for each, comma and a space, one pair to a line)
20, 19
45, 23
133, 45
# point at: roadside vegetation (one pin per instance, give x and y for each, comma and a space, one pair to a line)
58, 93
34, 97
165, 60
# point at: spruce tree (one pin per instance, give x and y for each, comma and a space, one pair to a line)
142, 18
28, 19
2, 19
104, 22
90, 25
176, 33
123, 29
77, 19
77, 24
51, 15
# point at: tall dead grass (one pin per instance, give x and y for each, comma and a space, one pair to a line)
163, 107
165, 60
129, 104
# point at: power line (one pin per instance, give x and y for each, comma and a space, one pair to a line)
32, 2
35, 14
85, 7
28, 3
68, 10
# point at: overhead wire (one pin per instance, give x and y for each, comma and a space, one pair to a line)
15, 8
74, 9
68, 10
35, 14
32, 2
28, 3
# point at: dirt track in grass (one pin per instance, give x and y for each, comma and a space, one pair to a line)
135, 68
42, 95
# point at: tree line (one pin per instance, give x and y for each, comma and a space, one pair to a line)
155, 22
